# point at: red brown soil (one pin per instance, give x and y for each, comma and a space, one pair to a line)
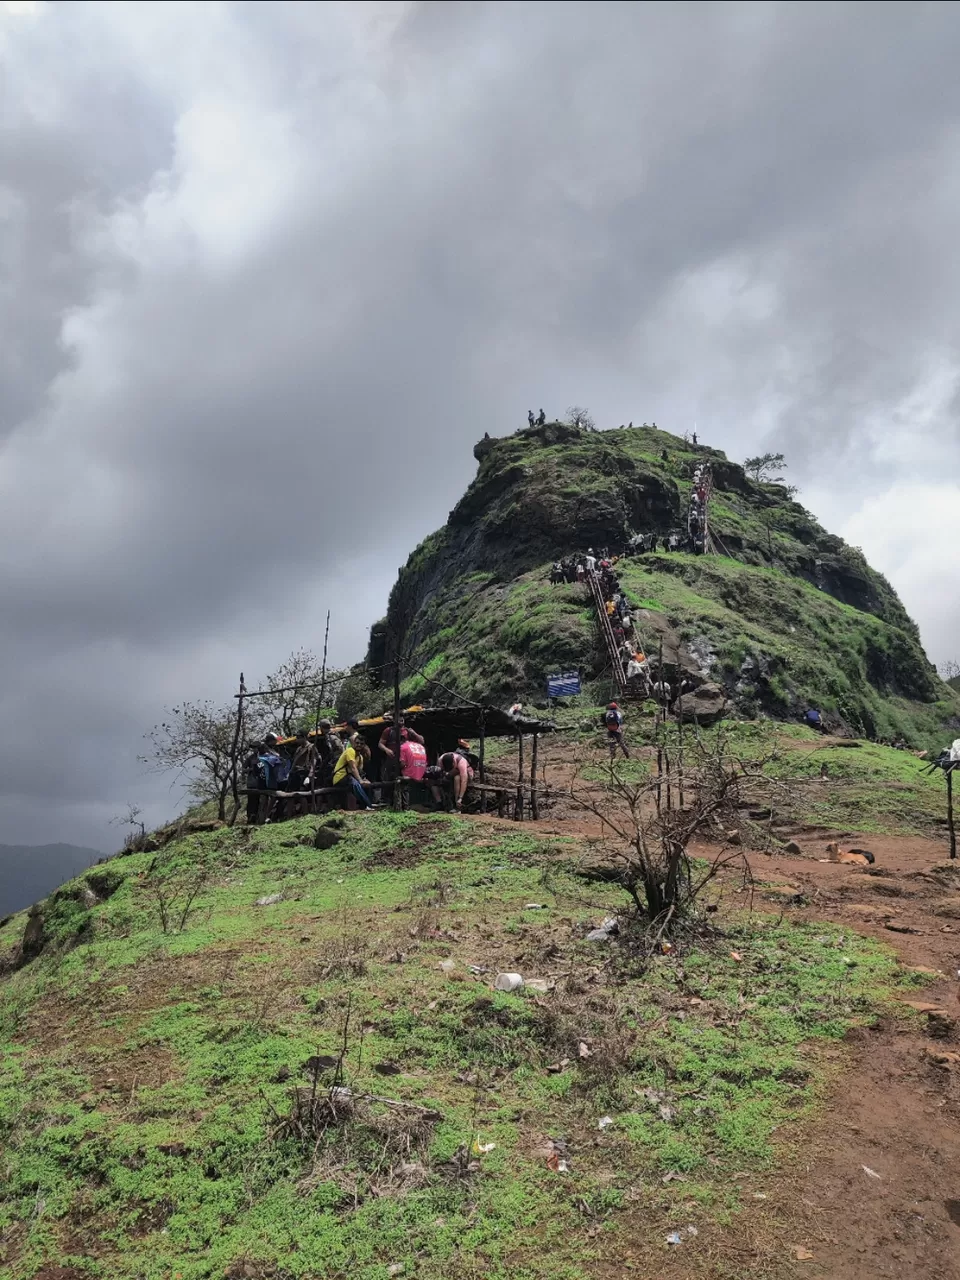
892, 1109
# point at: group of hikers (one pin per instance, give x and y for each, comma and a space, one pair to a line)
283, 777
697, 515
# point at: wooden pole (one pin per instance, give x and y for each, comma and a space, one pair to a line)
657, 726
534, 800
950, 826
518, 812
235, 752
680, 738
397, 789
323, 678
480, 762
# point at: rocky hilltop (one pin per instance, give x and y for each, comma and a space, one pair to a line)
789, 616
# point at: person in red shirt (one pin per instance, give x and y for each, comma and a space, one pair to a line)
388, 744
413, 760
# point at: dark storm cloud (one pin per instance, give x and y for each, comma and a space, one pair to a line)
270, 270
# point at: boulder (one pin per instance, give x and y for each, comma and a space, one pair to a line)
792, 847
34, 936
705, 705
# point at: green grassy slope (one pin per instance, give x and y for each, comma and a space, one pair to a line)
148, 1078
791, 617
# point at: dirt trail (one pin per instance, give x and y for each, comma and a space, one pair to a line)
895, 1110
895, 1106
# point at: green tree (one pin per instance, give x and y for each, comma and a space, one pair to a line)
764, 468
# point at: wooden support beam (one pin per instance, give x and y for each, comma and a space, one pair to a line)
950, 826
518, 812
534, 798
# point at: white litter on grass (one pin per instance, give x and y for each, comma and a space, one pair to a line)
871, 1173
605, 1122
270, 900
508, 982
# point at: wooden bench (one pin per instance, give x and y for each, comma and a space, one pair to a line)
317, 794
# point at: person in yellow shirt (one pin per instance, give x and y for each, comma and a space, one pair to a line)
611, 608
348, 771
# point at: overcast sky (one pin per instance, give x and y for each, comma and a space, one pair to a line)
268, 271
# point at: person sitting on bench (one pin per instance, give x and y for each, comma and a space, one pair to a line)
456, 768
348, 774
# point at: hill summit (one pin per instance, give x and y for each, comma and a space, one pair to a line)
786, 617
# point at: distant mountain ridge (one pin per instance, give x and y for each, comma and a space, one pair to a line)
29, 872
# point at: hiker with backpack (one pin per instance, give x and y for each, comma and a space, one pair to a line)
613, 723
253, 780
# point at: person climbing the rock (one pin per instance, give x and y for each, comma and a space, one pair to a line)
613, 723
541, 419
556, 573
610, 607
694, 437
531, 420
813, 719
590, 560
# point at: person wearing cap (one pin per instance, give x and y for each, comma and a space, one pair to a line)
613, 723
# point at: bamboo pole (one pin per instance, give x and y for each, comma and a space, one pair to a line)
658, 726
235, 752
950, 826
534, 801
680, 738
480, 763
397, 788
518, 811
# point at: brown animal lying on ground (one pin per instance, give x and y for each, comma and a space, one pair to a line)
859, 857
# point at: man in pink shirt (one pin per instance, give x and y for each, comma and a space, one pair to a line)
413, 760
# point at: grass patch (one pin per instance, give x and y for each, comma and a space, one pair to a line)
146, 1077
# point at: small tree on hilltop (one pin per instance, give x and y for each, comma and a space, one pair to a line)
578, 416
765, 468
197, 743
949, 670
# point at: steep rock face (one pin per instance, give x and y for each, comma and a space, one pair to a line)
789, 615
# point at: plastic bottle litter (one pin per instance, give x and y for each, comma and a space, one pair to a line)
448, 965
605, 1122
270, 899
508, 982
539, 984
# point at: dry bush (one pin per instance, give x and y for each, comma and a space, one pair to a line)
648, 825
